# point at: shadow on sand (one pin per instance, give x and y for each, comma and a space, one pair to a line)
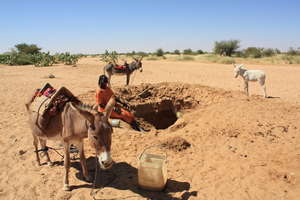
123, 176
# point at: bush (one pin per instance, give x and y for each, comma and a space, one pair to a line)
268, 52
289, 59
253, 52
159, 52
188, 52
4, 59
24, 48
293, 52
177, 52
226, 48
240, 54
43, 60
200, 51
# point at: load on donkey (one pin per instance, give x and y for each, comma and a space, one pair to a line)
113, 68
58, 115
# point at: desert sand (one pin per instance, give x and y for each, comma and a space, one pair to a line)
224, 145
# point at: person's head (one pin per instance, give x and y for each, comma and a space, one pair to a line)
103, 81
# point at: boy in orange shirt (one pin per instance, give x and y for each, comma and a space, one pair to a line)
103, 94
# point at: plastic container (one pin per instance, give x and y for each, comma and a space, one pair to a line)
115, 122
152, 171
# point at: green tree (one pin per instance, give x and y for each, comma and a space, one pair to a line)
226, 48
159, 52
200, 51
24, 48
177, 52
188, 51
253, 52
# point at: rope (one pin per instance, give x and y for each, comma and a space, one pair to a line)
54, 149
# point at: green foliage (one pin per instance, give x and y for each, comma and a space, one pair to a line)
177, 52
226, 48
293, 52
43, 60
200, 51
159, 52
240, 54
291, 59
188, 52
24, 48
268, 52
111, 57
253, 52
4, 59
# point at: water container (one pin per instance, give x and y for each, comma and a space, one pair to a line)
115, 122
152, 171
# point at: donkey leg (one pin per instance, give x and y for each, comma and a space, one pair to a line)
35, 144
83, 162
127, 79
263, 85
246, 89
43, 146
67, 166
264, 91
109, 78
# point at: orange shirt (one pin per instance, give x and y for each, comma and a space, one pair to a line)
103, 96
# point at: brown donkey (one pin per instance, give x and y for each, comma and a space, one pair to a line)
76, 122
128, 70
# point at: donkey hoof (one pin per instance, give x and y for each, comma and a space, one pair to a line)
50, 163
66, 187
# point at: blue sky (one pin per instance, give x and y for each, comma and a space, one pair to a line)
91, 26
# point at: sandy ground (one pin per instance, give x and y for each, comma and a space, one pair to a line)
224, 146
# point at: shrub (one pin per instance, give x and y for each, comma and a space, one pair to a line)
21, 59
177, 52
188, 52
24, 48
293, 52
43, 60
4, 59
253, 52
200, 51
226, 48
159, 52
268, 52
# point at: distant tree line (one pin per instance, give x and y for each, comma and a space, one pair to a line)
230, 48
30, 54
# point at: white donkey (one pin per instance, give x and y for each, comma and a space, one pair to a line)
251, 75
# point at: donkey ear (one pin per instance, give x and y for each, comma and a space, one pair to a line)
109, 107
86, 114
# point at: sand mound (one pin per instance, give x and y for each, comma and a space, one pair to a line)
176, 144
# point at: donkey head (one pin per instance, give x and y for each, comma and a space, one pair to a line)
99, 134
138, 63
237, 70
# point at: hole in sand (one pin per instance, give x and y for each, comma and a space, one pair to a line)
159, 114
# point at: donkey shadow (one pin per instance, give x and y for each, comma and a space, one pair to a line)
123, 176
